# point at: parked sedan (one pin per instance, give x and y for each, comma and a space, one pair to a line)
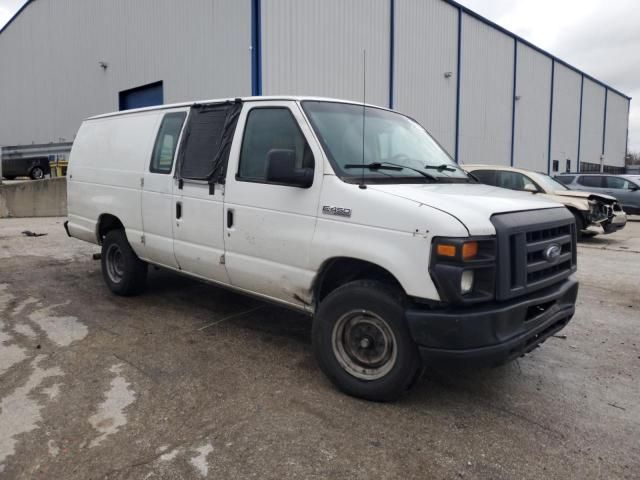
625, 188
588, 208
33, 167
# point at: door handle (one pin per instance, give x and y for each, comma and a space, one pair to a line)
178, 209
229, 218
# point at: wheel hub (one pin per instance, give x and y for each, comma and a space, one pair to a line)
115, 263
364, 344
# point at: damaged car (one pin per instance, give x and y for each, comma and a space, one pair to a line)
588, 208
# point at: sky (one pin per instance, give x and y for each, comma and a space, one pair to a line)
600, 37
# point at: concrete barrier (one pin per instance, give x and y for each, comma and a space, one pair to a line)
36, 198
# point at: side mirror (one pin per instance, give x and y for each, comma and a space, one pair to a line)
281, 168
530, 187
633, 188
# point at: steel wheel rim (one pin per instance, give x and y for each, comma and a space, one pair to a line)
364, 345
38, 173
115, 263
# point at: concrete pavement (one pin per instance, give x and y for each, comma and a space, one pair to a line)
191, 381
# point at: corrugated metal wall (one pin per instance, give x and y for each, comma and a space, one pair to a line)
486, 94
592, 122
533, 91
615, 145
566, 116
50, 78
426, 42
315, 48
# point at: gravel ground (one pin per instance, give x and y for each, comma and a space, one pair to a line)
191, 381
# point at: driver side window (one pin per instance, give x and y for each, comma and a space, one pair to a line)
270, 130
616, 183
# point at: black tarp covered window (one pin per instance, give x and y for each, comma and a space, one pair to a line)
209, 132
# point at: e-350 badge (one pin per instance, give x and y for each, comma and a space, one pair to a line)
338, 211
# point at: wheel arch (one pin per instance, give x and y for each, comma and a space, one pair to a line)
106, 223
337, 271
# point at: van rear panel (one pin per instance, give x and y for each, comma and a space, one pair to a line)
106, 167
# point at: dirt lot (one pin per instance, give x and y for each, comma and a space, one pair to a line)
191, 381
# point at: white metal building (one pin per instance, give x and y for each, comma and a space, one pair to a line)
487, 95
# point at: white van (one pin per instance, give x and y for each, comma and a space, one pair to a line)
402, 258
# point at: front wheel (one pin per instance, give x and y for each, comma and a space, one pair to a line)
124, 273
362, 343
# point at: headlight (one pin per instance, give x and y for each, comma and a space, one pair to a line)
466, 282
464, 269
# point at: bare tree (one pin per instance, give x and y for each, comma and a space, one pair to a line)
633, 158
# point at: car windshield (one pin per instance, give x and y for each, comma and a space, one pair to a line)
394, 148
548, 184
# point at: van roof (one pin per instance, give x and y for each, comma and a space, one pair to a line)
295, 98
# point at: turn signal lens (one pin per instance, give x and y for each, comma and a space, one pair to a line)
445, 250
469, 250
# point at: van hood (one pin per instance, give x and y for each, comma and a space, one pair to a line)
585, 195
472, 204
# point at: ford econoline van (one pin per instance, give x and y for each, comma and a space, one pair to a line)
353, 214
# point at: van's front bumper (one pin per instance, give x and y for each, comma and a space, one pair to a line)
492, 333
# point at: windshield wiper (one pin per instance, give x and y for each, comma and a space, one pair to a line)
389, 166
440, 168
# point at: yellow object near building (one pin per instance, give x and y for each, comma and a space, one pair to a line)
58, 167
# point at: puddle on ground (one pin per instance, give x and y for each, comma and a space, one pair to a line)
200, 461
62, 330
20, 411
110, 416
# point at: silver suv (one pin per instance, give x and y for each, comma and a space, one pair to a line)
626, 188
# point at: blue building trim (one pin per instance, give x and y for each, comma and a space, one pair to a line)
580, 120
486, 21
513, 100
604, 124
392, 48
553, 74
459, 62
256, 48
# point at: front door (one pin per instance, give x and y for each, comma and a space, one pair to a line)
269, 227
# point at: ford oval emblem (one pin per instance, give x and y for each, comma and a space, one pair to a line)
552, 252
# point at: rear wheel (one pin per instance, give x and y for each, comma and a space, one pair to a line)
362, 343
124, 273
36, 173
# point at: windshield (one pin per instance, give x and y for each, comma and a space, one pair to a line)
549, 184
396, 149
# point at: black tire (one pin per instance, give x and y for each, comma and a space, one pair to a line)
579, 225
123, 272
364, 303
36, 173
